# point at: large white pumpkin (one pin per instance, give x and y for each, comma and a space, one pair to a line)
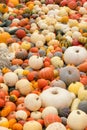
32, 125
57, 97
10, 79
75, 55
35, 62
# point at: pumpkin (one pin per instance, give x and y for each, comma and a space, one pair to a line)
4, 122
5, 111
21, 114
83, 66
32, 102
13, 47
10, 79
12, 122
4, 87
82, 93
46, 73
36, 62
32, 125
52, 96
79, 117
75, 104
74, 87
3, 8
15, 3
24, 86
4, 36
56, 125
50, 118
49, 110
26, 45
69, 74
78, 54
83, 106
36, 115
17, 126
3, 128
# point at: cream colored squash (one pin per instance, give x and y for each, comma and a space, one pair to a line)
49, 110
57, 97
10, 79
36, 62
56, 126
77, 120
21, 115
24, 86
36, 115
32, 102
32, 125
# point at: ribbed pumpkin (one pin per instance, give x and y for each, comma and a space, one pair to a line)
14, 2
4, 36
3, 8
50, 118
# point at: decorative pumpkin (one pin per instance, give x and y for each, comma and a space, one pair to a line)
17, 126
10, 79
13, 47
3, 87
32, 102
5, 111
82, 93
49, 110
83, 106
3, 128
83, 66
57, 62
64, 112
3, 8
36, 115
26, 45
56, 125
36, 62
46, 73
75, 104
4, 122
15, 3
37, 37
69, 74
24, 86
79, 117
50, 118
57, 83
78, 54
4, 36
57, 97
21, 54
32, 125
21, 114
74, 87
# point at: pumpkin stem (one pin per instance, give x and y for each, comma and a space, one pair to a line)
78, 112
54, 92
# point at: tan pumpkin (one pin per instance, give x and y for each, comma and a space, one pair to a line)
24, 86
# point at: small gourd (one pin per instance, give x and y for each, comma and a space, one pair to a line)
21, 115
36, 115
82, 93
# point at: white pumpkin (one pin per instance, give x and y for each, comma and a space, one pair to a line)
3, 128
36, 115
32, 102
24, 86
10, 79
77, 120
57, 97
75, 55
36, 62
49, 110
56, 126
21, 115
32, 125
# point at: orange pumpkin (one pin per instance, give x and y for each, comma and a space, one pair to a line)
83, 66
14, 2
12, 122
42, 83
5, 111
17, 61
46, 73
3, 8
4, 36
50, 118
17, 126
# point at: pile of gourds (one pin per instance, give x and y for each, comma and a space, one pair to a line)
43, 65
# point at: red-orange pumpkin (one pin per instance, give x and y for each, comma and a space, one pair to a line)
46, 73
50, 118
